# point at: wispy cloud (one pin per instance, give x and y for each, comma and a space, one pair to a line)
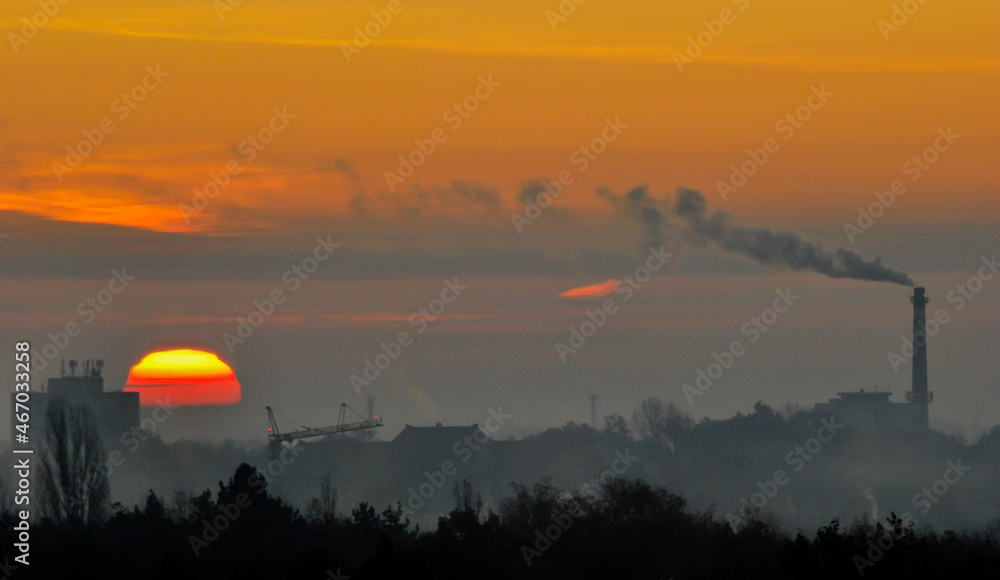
592, 291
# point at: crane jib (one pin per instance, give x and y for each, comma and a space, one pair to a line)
275, 436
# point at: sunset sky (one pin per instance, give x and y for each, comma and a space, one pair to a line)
176, 92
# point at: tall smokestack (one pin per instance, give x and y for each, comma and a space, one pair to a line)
919, 388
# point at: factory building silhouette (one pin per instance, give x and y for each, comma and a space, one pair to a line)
873, 410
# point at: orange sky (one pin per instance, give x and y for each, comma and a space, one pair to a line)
276, 70
557, 87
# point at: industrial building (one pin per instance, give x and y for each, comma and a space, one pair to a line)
874, 410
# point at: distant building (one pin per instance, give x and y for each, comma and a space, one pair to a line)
871, 411
438, 436
116, 412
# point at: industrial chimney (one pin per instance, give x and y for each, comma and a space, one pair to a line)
919, 393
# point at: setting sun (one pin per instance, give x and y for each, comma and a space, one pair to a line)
183, 377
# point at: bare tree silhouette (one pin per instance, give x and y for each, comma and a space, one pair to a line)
73, 485
322, 510
655, 416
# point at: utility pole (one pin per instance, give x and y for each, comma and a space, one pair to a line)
593, 411
371, 407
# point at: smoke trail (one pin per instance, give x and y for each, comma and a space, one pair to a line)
639, 207
778, 248
872, 503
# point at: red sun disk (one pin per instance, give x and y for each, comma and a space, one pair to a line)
183, 377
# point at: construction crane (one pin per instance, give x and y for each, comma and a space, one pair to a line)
275, 436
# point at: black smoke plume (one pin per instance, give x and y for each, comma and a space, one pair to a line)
638, 206
780, 248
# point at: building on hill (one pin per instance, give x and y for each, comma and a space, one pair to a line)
439, 436
870, 411
874, 410
117, 412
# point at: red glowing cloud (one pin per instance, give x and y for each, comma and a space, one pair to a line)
183, 377
593, 291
